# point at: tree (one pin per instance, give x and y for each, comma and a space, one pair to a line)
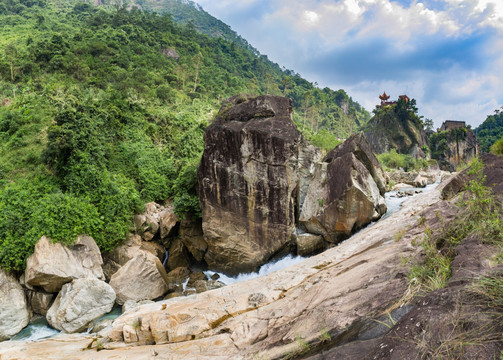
428, 124
197, 59
11, 55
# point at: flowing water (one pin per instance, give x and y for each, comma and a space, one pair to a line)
39, 328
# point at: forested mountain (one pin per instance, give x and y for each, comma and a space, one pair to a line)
490, 131
103, 109
185, 12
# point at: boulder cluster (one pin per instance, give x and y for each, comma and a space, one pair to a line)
264, 191
74, 286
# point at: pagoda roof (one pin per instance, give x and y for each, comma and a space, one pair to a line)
384, 96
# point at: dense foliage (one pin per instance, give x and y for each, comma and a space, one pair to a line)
439, 141
98, 116
394, 160
490, 130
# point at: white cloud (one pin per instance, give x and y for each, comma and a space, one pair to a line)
447, 54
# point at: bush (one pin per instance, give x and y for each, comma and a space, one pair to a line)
186, 199
394, 160
324, 139
497, 147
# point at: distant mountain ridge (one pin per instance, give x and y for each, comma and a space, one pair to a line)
185, 12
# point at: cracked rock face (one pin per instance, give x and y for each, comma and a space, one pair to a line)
249, 184
346, 193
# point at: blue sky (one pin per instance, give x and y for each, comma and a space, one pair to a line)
447, 54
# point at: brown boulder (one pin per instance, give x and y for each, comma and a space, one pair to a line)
191, 235
40, 302
249, 181
346, 193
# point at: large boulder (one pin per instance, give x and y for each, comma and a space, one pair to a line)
249, 181
53, 264
132, 247
14, 314
141, 278
346, 193
79, 303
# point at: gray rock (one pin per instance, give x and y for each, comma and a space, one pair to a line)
346, 193
309, 244
14, 313
79, 303
53, 264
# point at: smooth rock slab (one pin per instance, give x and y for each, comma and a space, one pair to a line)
14, 314
79, 303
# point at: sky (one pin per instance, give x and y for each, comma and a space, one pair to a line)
447, 54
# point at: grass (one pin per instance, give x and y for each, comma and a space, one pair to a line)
481, 216
475, 320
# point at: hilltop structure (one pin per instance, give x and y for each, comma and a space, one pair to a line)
385, 97
396, 125
453, 144
452, 124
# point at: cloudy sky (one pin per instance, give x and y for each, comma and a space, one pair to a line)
447, 54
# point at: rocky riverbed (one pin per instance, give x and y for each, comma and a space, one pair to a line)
328, 293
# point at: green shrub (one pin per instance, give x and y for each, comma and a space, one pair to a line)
497, 147
394, 160
324, 139
185, 196
63, 217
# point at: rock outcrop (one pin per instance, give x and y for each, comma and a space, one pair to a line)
347, 191
14, 313
454, 147
249, 183
52, 264
415, 178
396, 128
141, 278
79, 303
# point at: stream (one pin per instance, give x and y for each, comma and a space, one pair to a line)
39, 329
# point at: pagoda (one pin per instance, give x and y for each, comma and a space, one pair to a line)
384, 98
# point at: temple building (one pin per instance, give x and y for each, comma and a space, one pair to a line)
452, 124
385, 97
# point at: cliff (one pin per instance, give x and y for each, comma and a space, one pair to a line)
454, 147
396, 127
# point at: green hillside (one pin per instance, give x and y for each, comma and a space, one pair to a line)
98, 116
490, 131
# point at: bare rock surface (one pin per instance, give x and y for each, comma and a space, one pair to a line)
346, 193
132, 247
79, 303
248, 181
14, 313
40, 301
266, 316
53, 264
141, 278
